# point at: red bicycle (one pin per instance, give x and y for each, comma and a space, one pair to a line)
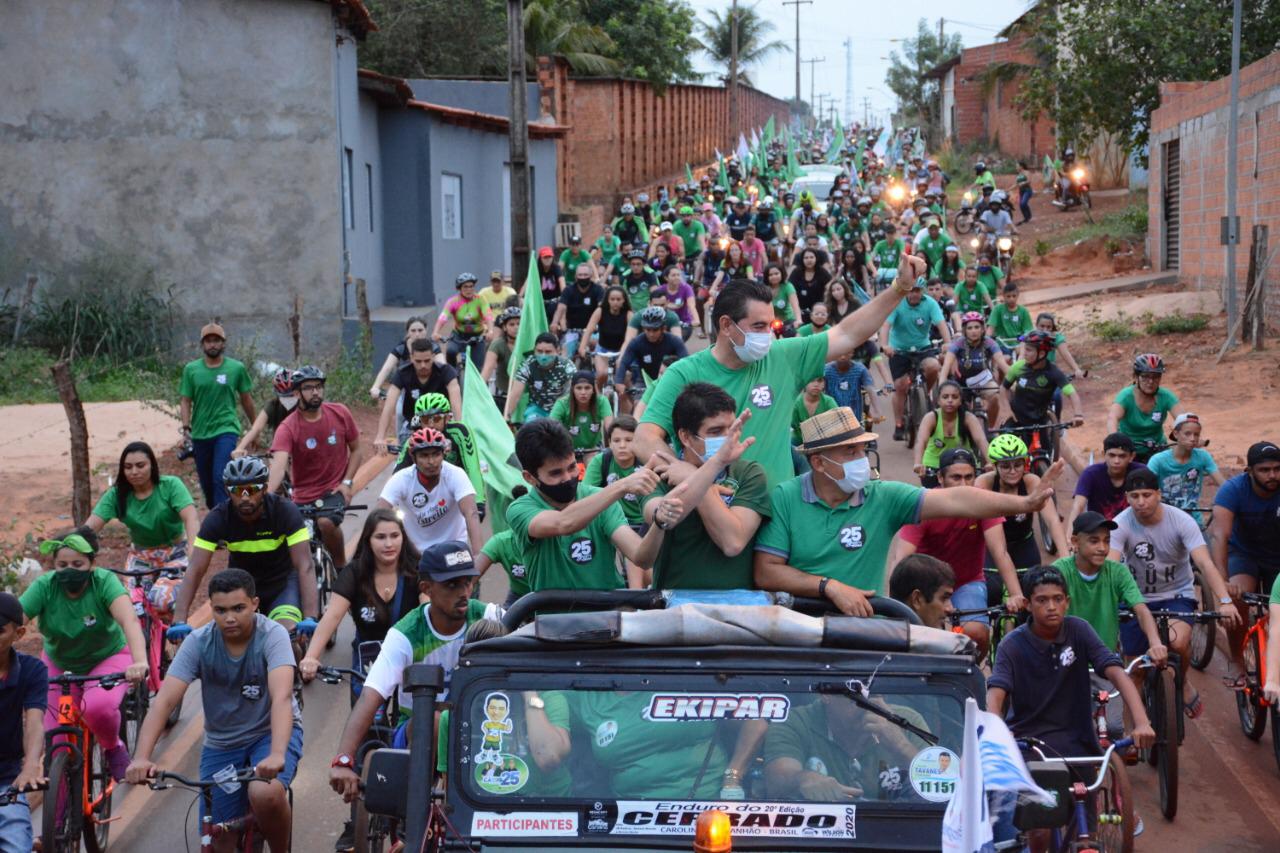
1251, 704
147, 583
244, 827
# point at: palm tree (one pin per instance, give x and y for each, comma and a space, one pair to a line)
717, 40
553, 28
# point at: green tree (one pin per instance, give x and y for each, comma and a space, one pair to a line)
919, 99
556, 28
653, 39
1100, 63
753, 40
426, 38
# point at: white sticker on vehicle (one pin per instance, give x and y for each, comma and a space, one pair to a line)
935, 772
749, 819
669, 707
524, 824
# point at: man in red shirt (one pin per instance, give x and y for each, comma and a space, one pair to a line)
963, 543
753, 249
321, 441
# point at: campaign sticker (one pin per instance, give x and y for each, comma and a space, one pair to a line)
524, 824
696, 707
748, 819
501, 774
935, 773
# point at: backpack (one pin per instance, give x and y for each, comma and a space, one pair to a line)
605, 459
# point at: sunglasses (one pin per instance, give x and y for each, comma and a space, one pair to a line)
246, 489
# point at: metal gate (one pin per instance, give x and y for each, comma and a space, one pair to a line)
1172, 204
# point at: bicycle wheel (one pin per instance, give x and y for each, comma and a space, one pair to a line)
1113, 808
1203, 633
101, 789
63, 811
1249, 700
370, 832
917, 405
1165, 708
326, 576
165, 659
133, 710
1275, 727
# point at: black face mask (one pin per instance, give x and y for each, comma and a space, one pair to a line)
73, 580
561, 493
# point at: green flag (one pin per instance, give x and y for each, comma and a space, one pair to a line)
1048, 169
493, 438
836, 151
688, 175
533, 322
723, 178
768, 132
793, 168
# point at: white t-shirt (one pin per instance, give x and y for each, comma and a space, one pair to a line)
430, 517
1159, 556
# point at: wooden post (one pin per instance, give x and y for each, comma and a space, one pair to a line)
1256, 287
362, 310
79, 427
23, 304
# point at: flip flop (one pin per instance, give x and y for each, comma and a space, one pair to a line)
1194, 707
1237, 682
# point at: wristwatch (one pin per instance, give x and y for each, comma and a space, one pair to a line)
536, 702
348, 483
822, 587
1226, 599
343, 760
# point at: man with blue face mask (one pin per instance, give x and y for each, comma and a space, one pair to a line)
762, 375
830, 529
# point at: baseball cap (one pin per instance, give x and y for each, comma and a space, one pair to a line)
1142, 478
212, 329
957, 456
545, 252
666, 226
1263, 451
10, 609
575, 239
1089, 521
496, 275
445, 561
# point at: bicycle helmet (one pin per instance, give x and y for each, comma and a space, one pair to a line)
999, 197
307, 373
427, 439
1148, 362
433, 403
1006, 446
283, 382
980, 167
653, 317
245, 471
507, 315
1042, 341
972, 317
767, 204
465, 278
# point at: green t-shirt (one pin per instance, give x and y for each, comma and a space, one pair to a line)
932, 249
949, 276
587, 428
571, 260
763, 386
609, 248
1146, 427
154, 521
1009, 326
79, 633
909, 325
807, 329
800, 414
632, 505
689, 559
782, 302
501, 548
985, 178
849, 542
1096, 601
991, 278
690, 235
214, 394
972, 300
582, 560
886, 254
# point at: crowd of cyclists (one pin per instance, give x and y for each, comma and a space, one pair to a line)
744, 464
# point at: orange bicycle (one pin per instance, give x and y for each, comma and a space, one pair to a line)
1251, 704
80, 784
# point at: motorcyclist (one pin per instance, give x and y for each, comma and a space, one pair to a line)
983, 176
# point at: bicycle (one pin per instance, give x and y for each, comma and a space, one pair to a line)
1000, 617
154, 623
1040, 458
325, 568
1251, 704
245, 826
80, 782
917, 403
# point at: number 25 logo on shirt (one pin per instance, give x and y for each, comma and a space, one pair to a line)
761, 397
851, 537
581, 550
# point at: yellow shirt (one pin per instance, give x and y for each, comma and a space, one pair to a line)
496, 301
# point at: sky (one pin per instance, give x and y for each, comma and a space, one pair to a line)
826, 24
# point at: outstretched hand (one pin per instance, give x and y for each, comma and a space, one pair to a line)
734, 445
1043, 493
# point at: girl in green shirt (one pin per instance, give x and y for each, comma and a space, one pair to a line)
786, 305
946, 427
972, 295
158, 510
585, 413
950, 266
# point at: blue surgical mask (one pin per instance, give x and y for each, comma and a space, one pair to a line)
711, 445
857, 473
545, 359
755, 345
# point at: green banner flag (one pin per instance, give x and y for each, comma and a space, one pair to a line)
857, 156
493, 438
533, 322
768, 131
1048, 170
688, 175
836, 152
793, 168
723, 177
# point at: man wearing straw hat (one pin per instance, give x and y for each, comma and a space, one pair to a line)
830, 529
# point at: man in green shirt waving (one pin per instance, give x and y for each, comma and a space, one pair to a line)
209, 389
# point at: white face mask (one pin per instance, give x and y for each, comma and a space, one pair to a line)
857, 472
755, 345
289, 402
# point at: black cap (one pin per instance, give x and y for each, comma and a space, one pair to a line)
10, 609
1263, 451
445, 561
1141, 478
957, 455
1087, 522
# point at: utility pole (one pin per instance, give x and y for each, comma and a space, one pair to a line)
866, 113
812, 63
1231, 226
797, 4
848, 80
733, 69
518, 143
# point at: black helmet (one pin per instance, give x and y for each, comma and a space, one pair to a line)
245, 471
1148, 362
307, 373
653, 317
980, 167
507, 315
1068, 153
465, 278
1042, 341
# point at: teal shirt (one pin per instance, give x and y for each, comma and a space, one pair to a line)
909, 324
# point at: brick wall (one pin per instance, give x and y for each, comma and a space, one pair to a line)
992, 117
1197, 115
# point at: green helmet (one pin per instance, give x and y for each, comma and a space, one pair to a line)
433, 403
1006, 446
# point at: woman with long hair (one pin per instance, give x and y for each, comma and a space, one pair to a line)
415, 327
585, 413
810, 280
785, 305
610, 321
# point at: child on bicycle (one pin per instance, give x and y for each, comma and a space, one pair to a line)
1184, 466
22, 707
244, 662
89, 628
586, 413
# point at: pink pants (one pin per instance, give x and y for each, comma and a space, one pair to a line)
101, 708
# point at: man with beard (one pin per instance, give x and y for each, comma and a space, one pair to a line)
265, 536
320, 440
209, 388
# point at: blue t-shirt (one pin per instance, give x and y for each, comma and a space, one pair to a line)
26, 687
909, 324
1180, 484
845, 388
1256, 531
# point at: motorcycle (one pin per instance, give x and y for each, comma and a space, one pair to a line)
965, 215
1003, 248
1077, 190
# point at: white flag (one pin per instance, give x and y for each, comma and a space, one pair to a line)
743, 152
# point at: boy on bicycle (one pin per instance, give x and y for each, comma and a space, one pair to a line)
23, 698
244, 662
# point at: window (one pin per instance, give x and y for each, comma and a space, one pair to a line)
348, 190
368, 177
451, 206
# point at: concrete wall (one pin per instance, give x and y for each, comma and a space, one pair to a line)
200, 137
483, 96
1197, 115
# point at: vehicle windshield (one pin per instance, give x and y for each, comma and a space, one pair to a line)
651, 749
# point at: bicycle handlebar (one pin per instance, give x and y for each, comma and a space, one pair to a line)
1103, 760
141, 573
10, 794
1255, 598
1038, 427
106, 680
160, 777
311, 511
335, 674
